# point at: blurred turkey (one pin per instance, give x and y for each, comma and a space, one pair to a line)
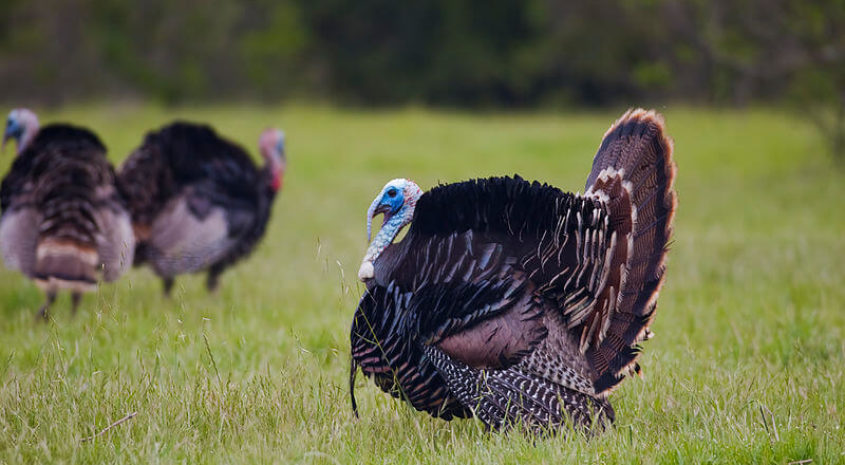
515, 301
198, 202
63, 223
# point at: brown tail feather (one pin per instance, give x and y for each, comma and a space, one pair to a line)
65, 265
637, 149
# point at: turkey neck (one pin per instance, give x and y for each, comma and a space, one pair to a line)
386, 235
27, 136
272, 170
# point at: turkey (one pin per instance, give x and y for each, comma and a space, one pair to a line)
197, 200
64, 223
514, 301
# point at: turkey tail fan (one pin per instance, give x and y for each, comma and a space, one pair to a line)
67, 163
65, 265
633, 173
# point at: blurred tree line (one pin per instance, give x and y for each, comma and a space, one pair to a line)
467, 53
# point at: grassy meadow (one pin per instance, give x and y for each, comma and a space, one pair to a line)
747, 366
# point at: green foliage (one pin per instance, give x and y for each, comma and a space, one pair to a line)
746, 366
272, 51
817, 88
468, 53
170, 50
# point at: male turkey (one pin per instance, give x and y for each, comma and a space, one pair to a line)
63, 222
515, 301
198, 202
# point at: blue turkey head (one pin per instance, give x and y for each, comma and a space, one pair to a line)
397, 194
21, 126
396, 201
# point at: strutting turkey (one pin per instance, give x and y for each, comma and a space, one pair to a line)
64, 223
514, 301
198, 202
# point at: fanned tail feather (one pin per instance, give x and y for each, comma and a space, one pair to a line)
633, 172
65, 265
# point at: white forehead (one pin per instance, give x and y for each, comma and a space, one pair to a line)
22, 115
398, 183
408, 187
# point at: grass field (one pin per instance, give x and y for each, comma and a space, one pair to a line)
747, 366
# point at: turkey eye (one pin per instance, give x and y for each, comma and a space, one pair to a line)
391, 193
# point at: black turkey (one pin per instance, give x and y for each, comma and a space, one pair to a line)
198, 202
64, 223
514, 301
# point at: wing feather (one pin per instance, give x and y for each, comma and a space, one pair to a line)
182, 242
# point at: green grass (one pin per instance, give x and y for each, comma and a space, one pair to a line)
750, 322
